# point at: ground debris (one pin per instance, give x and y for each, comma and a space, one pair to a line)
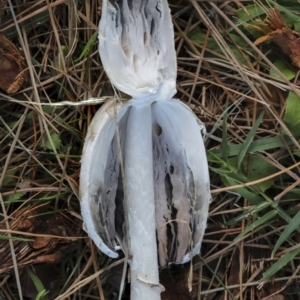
279, 32
252, 270
44, 246
175, 281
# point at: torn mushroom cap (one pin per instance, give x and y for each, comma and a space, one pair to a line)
180, 176
136, 46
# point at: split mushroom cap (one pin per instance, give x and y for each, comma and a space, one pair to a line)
180, 177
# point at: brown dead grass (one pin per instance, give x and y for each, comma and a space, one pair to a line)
36, 169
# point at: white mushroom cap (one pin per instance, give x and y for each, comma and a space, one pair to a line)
180, 180
136, 46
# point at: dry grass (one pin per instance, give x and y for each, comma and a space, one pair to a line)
227, 84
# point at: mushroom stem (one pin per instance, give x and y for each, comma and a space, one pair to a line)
141, 205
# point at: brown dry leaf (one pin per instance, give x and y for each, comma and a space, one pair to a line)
12, 66
42, 248
282, 35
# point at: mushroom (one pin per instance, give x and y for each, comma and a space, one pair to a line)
144, 182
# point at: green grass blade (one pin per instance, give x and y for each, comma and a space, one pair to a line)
216, 159
251, 196
248, 213
285, 259
249, 140
289, 229
88, 46
280, 211
285, 10
259, 145
41, 295
249, 13
263, 220
224, 135
38, 284
15, 238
